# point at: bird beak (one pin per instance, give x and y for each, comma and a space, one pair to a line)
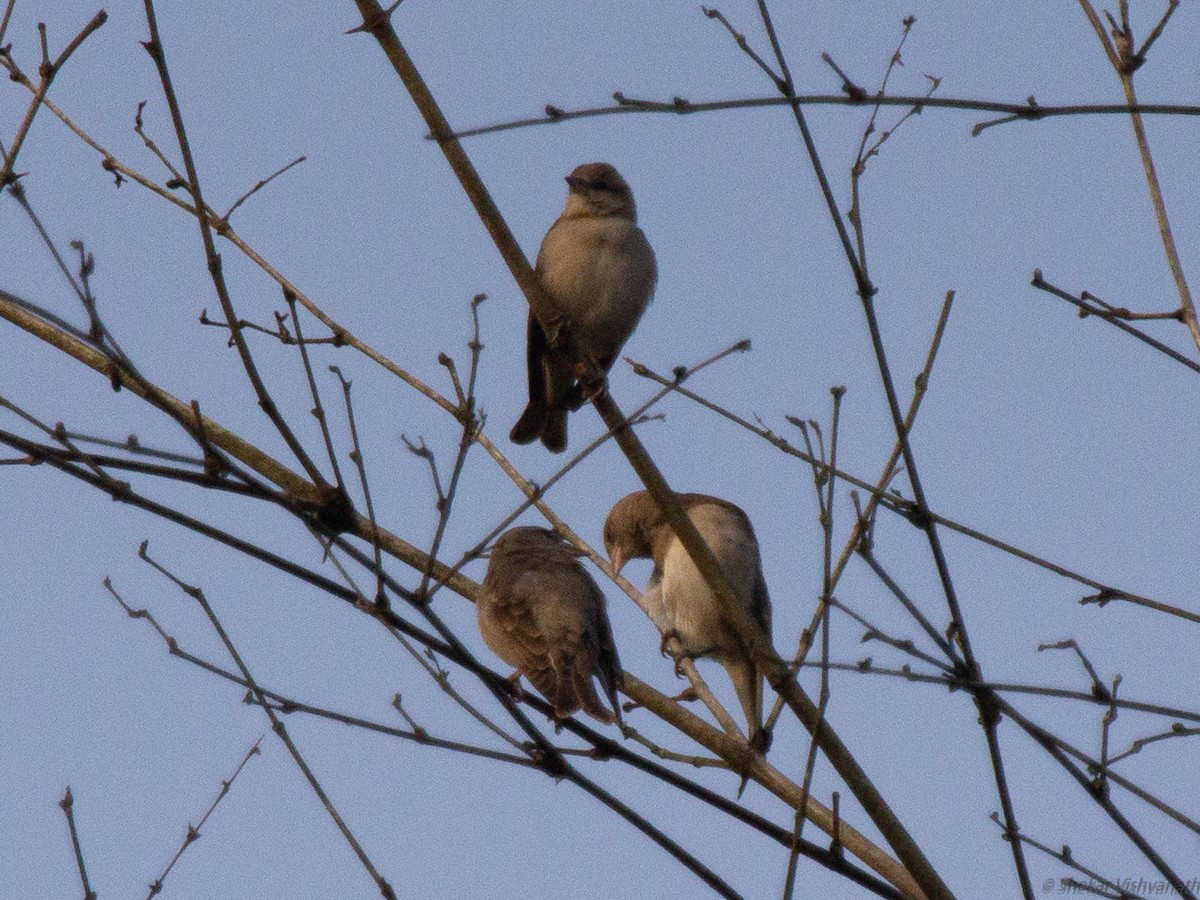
574, 183
618, 560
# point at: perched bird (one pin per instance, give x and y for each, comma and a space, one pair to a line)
679, 601
599, 270
541, 612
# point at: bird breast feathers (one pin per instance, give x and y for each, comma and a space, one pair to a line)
599, 269
735, 550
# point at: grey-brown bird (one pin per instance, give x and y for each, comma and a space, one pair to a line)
679, 601
599, 269
541, 612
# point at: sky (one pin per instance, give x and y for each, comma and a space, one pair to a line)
1056, 434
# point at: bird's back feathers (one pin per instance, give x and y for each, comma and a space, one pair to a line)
542, 613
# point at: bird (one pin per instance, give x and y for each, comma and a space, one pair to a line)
541, 612
678, 600
598, 268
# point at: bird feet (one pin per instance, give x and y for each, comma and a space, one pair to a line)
514, 686
591, 378
672, 648
687, 695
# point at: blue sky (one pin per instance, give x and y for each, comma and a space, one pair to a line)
1060, 436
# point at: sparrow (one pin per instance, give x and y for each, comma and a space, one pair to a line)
679, 601
541, 612
600, 271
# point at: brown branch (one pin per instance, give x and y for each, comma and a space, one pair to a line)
67, 804
46, 71
155, 48
376, 21
765, 659
193, 831
1125, 60
302, 493
1012, 112
554, 322
277, 726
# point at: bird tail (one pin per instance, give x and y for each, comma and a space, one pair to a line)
585, 691
539, 422
748, 683
529, 427
567, 683
554, 430
557, 686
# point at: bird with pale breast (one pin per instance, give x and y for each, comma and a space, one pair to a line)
598, 268
679, 601
541, 612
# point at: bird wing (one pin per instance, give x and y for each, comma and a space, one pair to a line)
760, 606
550, 392
607, 664
728, 534
565, 637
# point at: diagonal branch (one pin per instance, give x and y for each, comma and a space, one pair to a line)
157, 53
377, 23
47, 70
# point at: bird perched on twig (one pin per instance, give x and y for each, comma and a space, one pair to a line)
541, 612
680, 602
600, 271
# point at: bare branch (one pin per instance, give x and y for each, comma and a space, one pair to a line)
67, 805
193, 831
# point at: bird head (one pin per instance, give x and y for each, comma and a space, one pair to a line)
597, 189
627, 529
529, 539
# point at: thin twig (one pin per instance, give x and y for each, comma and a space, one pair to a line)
8, 10
1155, 33
46, 71
1013, 112
318, 409
1177, 730
1087, 309
260, 185
908, 852
277, 725
359, 460
824, 487
466, 417
1099, 691
1067, 858
67, 804
696, 762
1125, 61
157, 53
740, 40
193, 831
